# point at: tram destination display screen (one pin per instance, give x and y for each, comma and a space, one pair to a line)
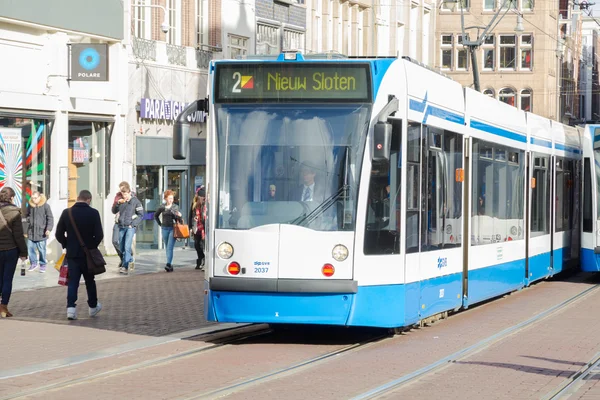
292, 82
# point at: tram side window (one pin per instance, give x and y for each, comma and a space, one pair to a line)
413, 187
540, 196
382, 234
498, 201
568, 200
441, 214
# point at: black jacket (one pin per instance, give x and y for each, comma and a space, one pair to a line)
90, 228
39, 220
130, 212
168, 216
13, 237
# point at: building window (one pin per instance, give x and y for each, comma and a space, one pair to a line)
25, 157
527, 5
237, 45
489, 54
464, 4
141, 19
526, 51
267, 39
508, 51
293, 40
462, 55
489, 4
507, 95
526, 100
447, 51
201, 22
489, 92
173, 8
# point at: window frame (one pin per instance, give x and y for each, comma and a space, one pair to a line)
505, 46
445, 47
514, 95
243, 49
529, 95
486, 46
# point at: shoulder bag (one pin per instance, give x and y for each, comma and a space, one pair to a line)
95, 260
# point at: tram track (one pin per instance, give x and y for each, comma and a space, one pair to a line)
572, 384
220, 338
483, 344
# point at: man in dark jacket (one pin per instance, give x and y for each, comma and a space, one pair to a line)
130, 212
90, 228
40, 222
116, 231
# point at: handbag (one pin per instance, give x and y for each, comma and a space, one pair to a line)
63, 276
95, 259
181, 231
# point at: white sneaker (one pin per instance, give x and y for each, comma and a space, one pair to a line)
71, 313
94, 311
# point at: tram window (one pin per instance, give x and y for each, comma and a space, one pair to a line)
382, 234
413, 187
442, 210
540, 197
560, 195
498, 200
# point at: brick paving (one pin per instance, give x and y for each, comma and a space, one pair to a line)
154, 304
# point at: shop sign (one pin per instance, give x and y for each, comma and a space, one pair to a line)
88, 62
81, 151
158, 109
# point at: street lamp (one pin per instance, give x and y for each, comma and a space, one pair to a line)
473, 45
165, 24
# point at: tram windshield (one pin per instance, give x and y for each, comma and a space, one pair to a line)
283, 164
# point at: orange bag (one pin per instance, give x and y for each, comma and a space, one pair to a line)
181, 231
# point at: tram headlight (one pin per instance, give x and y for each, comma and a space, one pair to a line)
225, 250
340, 252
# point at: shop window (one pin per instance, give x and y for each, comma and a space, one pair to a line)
508, 51
526, 100
489, 92
507, 95
148, 189
25, 157
526, 52
446, 48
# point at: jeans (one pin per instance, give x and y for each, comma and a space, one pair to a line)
169, 241
115, 240
35, 247
8, 265
78, 267
126, 240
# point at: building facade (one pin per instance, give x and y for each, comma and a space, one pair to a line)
372, 28
63, 103
518, 67
167, 70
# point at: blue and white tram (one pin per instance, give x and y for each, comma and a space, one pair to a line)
375, 192
590, 235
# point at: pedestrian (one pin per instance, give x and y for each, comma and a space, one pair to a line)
116, 231
170, 215
196, 224
90, 228
40, 222
12, 245
130, 212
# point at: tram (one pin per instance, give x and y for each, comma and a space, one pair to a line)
378, 192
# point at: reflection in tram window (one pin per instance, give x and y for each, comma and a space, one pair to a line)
498, 196
565, 194
588, 222
442, 213
312, 156
382, 234
540, 196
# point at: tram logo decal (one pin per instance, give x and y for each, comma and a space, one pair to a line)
442, 262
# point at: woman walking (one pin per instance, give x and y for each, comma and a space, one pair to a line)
170, 216
196, 224
39, 224
12, 245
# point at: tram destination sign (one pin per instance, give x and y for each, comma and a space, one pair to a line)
292, 82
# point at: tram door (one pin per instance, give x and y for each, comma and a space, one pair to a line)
539, 239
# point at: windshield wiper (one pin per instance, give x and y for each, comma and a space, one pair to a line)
321, 208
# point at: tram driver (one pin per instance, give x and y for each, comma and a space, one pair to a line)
309, 190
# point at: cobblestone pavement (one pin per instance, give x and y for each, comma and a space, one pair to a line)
152, 304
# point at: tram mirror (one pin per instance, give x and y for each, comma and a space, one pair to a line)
193, 113
382, 140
